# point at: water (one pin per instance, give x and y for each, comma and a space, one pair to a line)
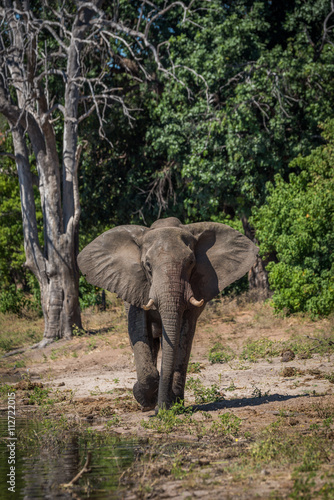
40, 470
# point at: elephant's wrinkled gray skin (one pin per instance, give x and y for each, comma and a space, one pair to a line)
165, 274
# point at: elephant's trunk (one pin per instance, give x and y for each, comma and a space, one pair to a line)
172, 296
171, 325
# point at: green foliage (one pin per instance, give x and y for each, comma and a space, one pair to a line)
19, 288
207, 394
194, 367
40, 396
257, 393
12, 300
198, 158
296, 226
12, 254
221, 354
167, 420
278, 446
262, 77
301, 346
227, 424
261, 348
6, 389
89, 295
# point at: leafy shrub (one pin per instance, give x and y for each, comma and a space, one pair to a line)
296, 228
12, 300
207, 394
261, 348
220, 354
168, 420
89, 295
194, 367
16, 300
227, 424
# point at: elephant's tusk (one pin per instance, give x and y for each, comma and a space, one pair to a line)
196, 303
149, 305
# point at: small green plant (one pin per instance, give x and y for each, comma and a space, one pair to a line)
40, 397
221, 354
5, 389
167, 420
227, 424
77, 332
193, 383
20, 364
241, 366
96, 392
113, 421
257, 393
106, 411
194, 367
327, 422
91, 344
303, 488
261, 348
208, 394
116, 380
177, 471
54, 354
330, 377
231, 387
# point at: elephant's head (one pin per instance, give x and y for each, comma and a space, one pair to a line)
170, 267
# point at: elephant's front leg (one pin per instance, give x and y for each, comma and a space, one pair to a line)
186, 338
146, 388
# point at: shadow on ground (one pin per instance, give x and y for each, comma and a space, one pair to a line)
241, 402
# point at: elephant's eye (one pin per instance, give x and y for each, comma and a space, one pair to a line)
148, 267
191, 259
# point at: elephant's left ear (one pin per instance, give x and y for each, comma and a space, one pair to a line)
223, 255
112, 261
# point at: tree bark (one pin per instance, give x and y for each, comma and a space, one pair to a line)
56, 269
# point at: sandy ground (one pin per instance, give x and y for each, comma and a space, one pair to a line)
99, 363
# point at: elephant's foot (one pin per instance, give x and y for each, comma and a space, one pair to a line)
147, 408
167, 403
147, 394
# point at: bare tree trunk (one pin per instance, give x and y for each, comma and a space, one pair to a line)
56, 269
257, 275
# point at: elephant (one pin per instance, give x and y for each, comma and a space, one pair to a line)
165, 274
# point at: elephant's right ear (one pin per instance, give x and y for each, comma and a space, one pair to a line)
113, 261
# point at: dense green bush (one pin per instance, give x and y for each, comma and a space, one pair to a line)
296, 226
89, 295
12, 300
